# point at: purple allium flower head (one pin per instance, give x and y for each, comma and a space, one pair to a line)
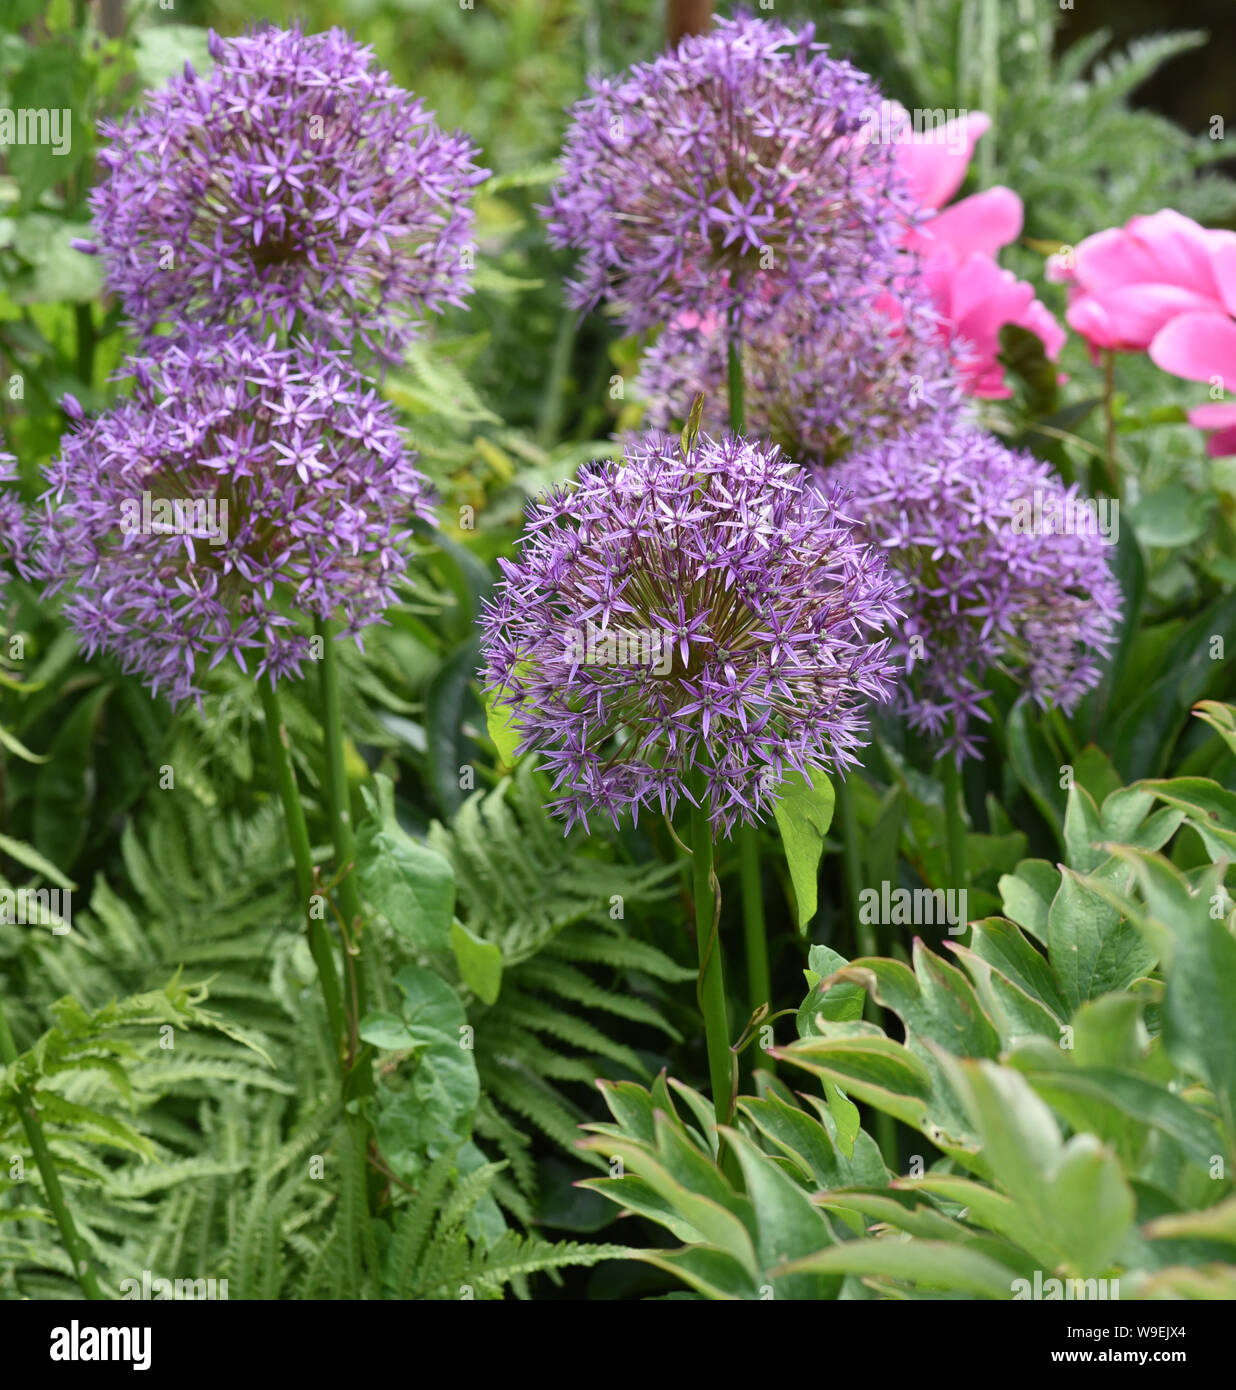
1006, 567
819, 384
678, 615
15, 529
239, 485
738, 159
294, 182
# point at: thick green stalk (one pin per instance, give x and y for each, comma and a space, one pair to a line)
738, 415
339, 798
711, 988
955, 823
26, 1108
302, 855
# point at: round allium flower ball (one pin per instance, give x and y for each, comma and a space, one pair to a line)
293, 182
744, 157
819, 385
690, 616
240, 490
1007, 570
15, 531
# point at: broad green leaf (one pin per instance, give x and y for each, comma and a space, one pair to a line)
1091, 947
840, 1002
412, 885
788, 1224
480, 963
933, 1264
1207, 807
804, 811
1027, 895
706, 1269
433, 1106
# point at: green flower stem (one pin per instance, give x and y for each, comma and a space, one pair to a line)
26, 1108
738, 420
955, 823
1109, 422
865, 937
710, 989
759, 975
340, 802
302, 854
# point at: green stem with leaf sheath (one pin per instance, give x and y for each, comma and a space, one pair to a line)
83, 1270
302, 856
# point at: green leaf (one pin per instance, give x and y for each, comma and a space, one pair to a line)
433, 1107
841, 1002
505, 732
412, 885
19, 749
32, 859
804, 811
1208, 807
1093, 949
449, 702
1027, 895
480, 963
934, 1264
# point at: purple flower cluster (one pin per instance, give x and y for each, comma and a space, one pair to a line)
15, 530
293, 184
240, 485
819, 386
685, 613
735, 161
954, 511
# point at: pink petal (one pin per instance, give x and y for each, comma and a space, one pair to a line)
983, 222
1223, 263
1128, 317
1218, 415
1165, 248
1221, 444
934, 164
1197, 347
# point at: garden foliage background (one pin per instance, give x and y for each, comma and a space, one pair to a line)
229, 1155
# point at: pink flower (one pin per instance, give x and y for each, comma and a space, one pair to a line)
1128, 282
1202, 347
957, 249
977, 298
